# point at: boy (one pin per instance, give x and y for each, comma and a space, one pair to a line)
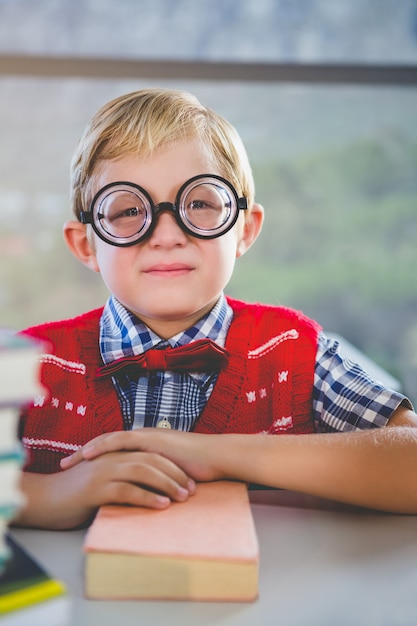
164, 199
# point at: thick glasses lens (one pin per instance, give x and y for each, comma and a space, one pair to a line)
207, 207
122, 214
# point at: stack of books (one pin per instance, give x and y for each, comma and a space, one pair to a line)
19, 385
10, 466
24, 583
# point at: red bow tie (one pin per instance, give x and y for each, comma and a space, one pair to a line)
198, 356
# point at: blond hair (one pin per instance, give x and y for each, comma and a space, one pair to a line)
140, 123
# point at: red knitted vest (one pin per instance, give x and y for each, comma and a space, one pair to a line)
266, 387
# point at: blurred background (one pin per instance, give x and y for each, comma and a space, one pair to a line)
324, 95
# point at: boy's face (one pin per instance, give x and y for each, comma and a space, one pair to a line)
170, 279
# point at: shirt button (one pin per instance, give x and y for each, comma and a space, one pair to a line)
163, 424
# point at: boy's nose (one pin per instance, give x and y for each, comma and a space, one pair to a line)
167, 232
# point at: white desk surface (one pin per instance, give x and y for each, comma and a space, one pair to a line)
320, 564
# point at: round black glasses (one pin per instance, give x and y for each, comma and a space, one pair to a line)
123, 213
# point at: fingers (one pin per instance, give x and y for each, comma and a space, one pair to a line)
133, 469
147, 480
133, 495
157, 473
134, 478
73, 459
118, 440
107, 442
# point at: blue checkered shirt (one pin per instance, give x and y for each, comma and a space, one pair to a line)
150, 397
344, 396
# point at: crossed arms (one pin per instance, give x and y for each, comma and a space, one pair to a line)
151, 467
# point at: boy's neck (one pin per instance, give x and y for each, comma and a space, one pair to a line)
166, 329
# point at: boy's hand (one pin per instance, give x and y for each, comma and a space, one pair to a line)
69, 499
136, 478
192, 452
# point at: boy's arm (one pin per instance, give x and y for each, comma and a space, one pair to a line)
70, 499
375, 468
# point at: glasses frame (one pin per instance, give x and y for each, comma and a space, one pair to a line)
91, 216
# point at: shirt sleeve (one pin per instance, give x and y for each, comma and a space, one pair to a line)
345, 397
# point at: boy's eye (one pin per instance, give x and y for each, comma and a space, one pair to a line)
120, 214
200, 204
132, 212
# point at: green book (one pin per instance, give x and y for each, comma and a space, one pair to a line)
24, 582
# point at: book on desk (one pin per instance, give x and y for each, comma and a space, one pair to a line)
204, 549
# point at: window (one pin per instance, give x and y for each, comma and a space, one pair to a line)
334, 161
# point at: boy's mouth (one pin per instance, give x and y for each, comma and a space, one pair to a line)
168, 269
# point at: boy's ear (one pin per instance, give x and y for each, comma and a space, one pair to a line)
75, 235
251, 229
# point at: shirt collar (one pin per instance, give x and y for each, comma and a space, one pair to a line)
122, 334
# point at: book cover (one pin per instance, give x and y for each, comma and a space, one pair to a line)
9, 421
19, 365
11, 497
10, 472
24, 582
203, 549
5, 515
